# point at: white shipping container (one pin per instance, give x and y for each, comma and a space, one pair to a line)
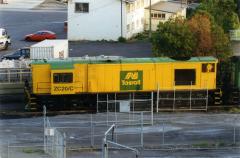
48, 49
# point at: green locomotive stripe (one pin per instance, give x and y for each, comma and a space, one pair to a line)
69, 62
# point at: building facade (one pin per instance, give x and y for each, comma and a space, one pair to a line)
110, 19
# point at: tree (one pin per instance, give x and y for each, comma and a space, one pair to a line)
221, 43
200, 25
174, 39
198, 36
224, 12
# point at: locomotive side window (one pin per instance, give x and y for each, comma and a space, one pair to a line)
62, 77
185, 77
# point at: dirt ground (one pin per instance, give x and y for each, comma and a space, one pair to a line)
172, 135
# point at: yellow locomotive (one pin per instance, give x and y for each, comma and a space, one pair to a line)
88, 76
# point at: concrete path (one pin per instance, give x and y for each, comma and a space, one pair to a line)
19, 4
37, 5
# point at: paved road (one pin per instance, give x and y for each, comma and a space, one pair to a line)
20, 23
186, 128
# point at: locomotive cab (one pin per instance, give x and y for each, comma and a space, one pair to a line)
62, 82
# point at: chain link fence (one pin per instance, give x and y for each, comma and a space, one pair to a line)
132, 130
54, 140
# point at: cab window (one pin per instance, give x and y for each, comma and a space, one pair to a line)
185, 77
4, 33
62, 78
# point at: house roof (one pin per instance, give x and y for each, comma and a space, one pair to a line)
129, 1
69, 62
168, 6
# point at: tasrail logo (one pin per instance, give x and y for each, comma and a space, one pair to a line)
131, 80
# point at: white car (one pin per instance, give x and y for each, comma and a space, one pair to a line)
4, 39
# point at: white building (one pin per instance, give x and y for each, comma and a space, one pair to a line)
109, 20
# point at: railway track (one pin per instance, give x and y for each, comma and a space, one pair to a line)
28, 114
13, 114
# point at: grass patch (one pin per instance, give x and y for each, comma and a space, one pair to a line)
204, 145
31, 151
235, 110
143, 36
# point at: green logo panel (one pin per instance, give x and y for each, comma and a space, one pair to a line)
131, 80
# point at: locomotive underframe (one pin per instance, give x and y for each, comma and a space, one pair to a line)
162, 100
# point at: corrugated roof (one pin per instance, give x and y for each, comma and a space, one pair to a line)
129, 1
50, 43
168, 6
69, 62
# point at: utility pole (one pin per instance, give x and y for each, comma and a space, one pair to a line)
238, 6
150, 19
121, 18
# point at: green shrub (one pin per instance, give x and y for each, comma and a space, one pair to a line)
122, 39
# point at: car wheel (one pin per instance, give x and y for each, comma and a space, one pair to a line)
6, 46
27, 39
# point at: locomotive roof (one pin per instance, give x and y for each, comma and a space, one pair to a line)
68, 63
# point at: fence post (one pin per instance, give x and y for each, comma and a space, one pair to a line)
234, 131
174, 97
92, 134
133, 104
44, 129
104, 149
191, 97
142, 129
115, 104
97, 102
163, 134
207, 100
152, 108
8, 150
65, 146
157, 97
107, 109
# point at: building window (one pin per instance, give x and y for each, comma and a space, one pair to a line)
185, 77
132, 27
142, 21
128, 8
128, 28
138, 23
142, 3
82, 7
62, 77
138, 4
161, 16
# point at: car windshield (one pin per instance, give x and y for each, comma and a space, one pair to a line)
17, 52
25, 51
38, 33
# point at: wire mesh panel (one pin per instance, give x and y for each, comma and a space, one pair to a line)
55, 144
19, 151
193, 132
15, 75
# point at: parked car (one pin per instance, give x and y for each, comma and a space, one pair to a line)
4, 39
20, 53
40, 36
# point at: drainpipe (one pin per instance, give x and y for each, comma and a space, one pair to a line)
150, 19
238, 6
121, 19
